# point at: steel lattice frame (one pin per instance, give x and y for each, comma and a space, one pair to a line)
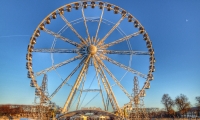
91, 49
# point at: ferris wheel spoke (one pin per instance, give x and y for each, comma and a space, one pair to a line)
113, 77
69, 76
56, 50
124, 67
107, 86
72, 28
131, 52
100, 20
120, 40
113, 28
61, 37
76, 85
86, 26
58, 65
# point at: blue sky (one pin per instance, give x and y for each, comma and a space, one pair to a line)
173, 27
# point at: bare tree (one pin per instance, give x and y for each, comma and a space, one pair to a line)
198, 105
198, 101
168, 103
182, 103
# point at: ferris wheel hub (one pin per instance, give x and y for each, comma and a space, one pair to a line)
92, 49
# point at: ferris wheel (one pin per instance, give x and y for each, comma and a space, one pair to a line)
87, 39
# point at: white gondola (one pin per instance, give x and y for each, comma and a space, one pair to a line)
147, 85
76, 6
33, 40
42, 26
61, 11
84, 4
145, 36
101, 5
48, 20
136, 23
141, 30
116, 10
149, 44
68, 8
130, 18
150, 77
33, 83
30, 74
28, 56
30, 48
28, 65
152, 59
151, 51
37, 33
123, 13
93, 4
109, 7
143, 93
152, 68
54, 15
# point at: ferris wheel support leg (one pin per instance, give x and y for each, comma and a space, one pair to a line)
100, 89
84, 77
76, 85
107, 87
115, 80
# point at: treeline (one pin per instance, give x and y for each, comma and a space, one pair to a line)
23, 110
179, 106
6, 110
